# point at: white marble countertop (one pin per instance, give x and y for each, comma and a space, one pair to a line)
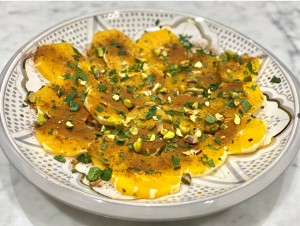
275, 25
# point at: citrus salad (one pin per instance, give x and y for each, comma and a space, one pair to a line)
149, 115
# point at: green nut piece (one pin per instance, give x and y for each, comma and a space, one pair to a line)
164, 131
219, 117
184, 130
95, 71
236, 119
185, 63
214, 129
134, 130
140, 59
186, 179
137, 146
248, 78
41, 119
195, 90
191, 139
163, 90
161, 99
128, 103
69, 124
234, 95
143, 75
198, 65
190, 55
30, 97
104, 160
169, 135
99, 52
55, 86
149, 103
178, 132
223, 126
99, 153
195, 105
97, 133
156, 52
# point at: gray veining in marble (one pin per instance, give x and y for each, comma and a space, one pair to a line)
275, 25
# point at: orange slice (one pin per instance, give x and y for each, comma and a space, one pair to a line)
51, 60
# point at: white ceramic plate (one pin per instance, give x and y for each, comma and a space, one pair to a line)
239, 179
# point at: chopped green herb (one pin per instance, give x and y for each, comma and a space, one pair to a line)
60, 158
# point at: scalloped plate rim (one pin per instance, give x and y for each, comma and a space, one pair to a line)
138, 211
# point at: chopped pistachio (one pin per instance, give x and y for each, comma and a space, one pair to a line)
95, 70
193, 118
234, 95
41, 119
156, 52
198, 65
140, 59
164, 53
229, 71
185, 63
248, 78
156, 86
111, 137
178, 132
83, 83
236, 119
198, 133
30, 97
184, 129
152, 138
143, 75
163, 90
128, 103
169, 135
103, 128
87, 90
145, 67
191, 139
190, 55
222, 137
104, 160
137, 146
69, 124
134, 130
195, 105
186, 179
223, 126
195, 90
237, 102
164, 131
149, 103
55, 86
116, 97
99, 52
59, 122
219, 117
161, 99
214, 129
107, 132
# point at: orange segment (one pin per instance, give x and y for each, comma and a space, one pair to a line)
51, 60
238, 67
251, 133
163, 40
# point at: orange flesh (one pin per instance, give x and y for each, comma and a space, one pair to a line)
155, 170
